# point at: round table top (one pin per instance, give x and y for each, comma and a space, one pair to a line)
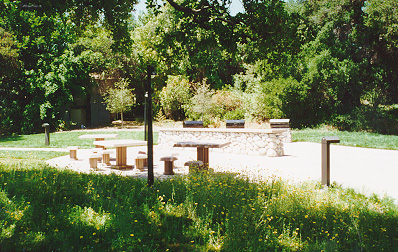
96, 136
120, 143
201, 144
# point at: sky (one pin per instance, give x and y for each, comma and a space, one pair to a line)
236, 6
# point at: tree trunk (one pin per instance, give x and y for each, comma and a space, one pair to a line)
122, 118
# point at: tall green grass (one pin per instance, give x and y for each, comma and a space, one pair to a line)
45, 209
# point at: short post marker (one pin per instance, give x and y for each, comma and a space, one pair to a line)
326, 141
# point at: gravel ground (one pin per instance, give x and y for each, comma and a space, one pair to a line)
366, 170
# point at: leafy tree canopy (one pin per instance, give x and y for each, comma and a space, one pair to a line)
265, 20
9, 53
115, 14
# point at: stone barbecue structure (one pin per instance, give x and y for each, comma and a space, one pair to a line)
264, 142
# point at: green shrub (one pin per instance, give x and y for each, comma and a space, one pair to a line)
262, 100
367, 118
66, 125
174, 96
236, 114
214, 107
296, 105
229, 105
264, 97
277, 98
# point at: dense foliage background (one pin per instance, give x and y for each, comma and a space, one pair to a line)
314, 62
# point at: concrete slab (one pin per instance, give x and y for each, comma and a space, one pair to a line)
366, 170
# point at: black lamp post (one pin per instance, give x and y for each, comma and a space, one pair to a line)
145, 116
149, 133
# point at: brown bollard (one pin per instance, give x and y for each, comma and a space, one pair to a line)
326, 141
46, 127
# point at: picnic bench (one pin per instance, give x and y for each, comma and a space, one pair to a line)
202, 148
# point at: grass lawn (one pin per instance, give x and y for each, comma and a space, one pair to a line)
71, 138
30, 155
48, 209
66, 138
356, 139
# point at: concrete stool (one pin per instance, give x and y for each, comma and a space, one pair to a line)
94, 160
168, 164
194, 165
98, 151
73, 152
141, 161
106, 159
145, 160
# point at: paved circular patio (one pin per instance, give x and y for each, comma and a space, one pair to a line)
365, 170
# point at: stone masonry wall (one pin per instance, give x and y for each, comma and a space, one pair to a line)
267, 142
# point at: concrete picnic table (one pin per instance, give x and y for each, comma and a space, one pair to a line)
98, 137
202, 148
121, 150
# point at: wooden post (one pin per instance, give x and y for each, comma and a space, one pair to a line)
93, 161
106, 158
203, 155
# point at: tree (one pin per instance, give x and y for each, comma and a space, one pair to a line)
114, 14
179, 47
265, 20
10, 72
41, 41
120, 98
201, 103
381, 47
45, 63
